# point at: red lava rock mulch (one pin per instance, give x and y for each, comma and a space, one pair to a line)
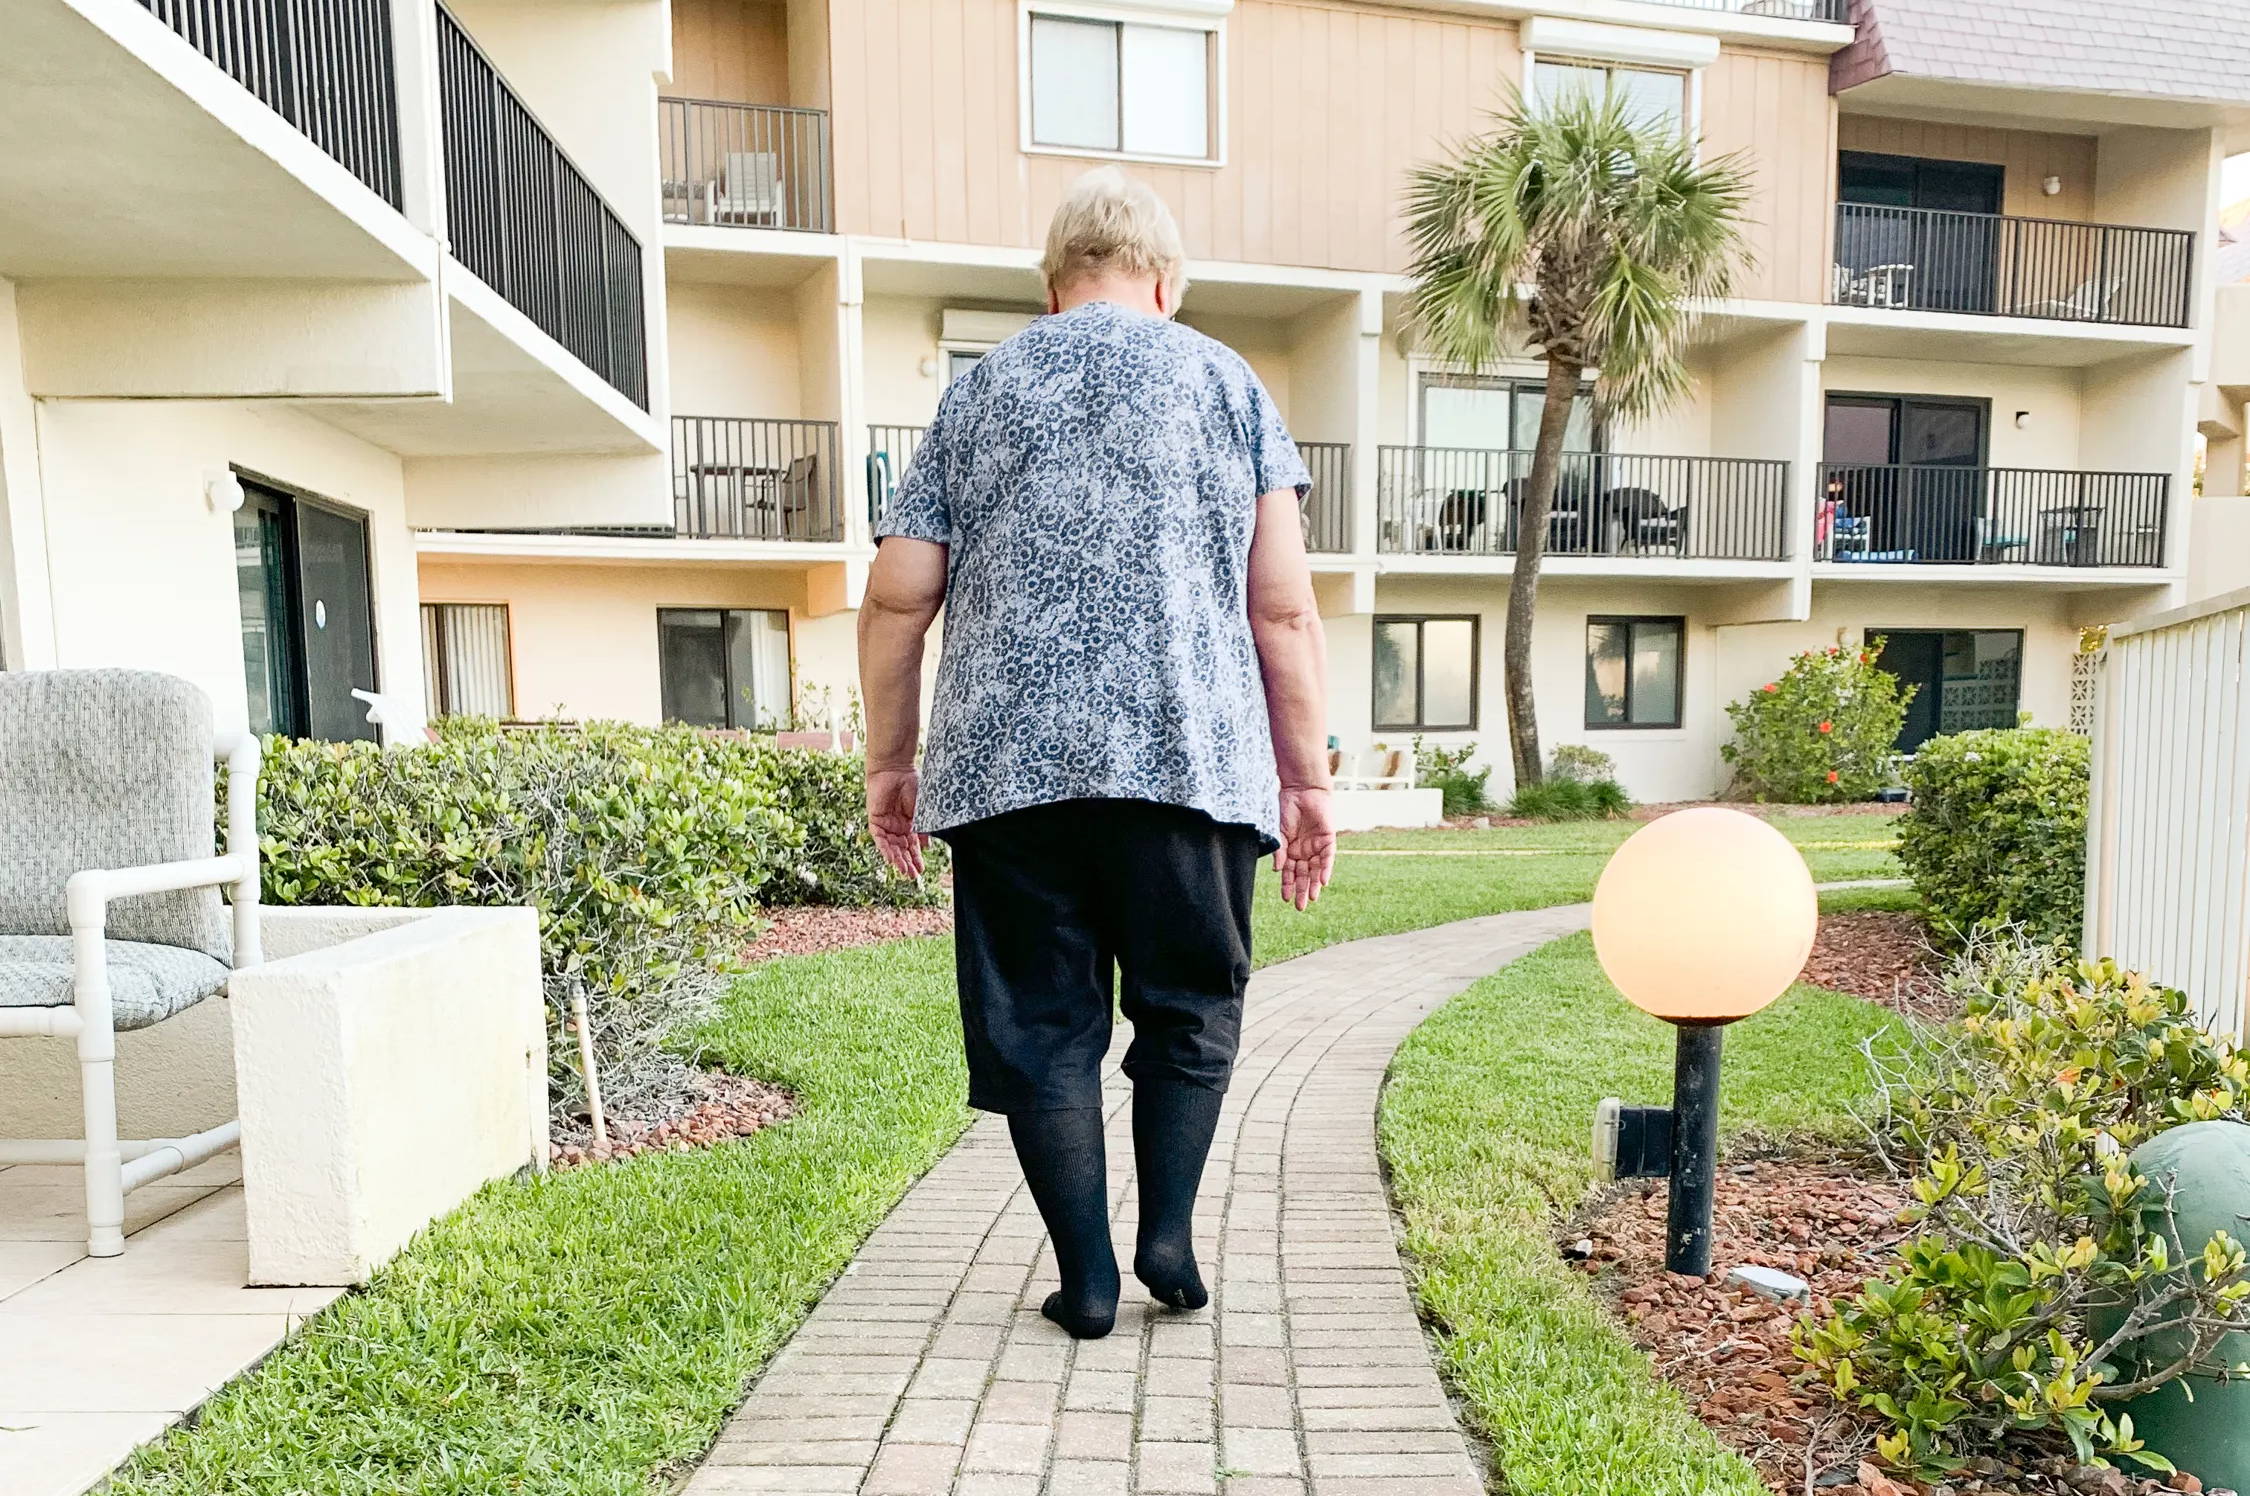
730, 1106
805, 931
1727, 1349
1882, 956
1832, 1223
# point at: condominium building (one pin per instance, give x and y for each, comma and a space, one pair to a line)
600, 330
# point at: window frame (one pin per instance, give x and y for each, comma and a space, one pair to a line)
1631, 621
1184, 18
727, 684
437, 683
1500, 380
1475, 621
1690, 75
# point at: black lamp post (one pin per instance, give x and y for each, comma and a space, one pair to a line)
1703, 917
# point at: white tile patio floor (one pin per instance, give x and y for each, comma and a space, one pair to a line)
98, 1355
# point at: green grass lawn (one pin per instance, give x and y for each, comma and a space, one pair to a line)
574, 1333
1485, 1124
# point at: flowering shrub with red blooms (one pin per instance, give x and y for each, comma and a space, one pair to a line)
1820, 733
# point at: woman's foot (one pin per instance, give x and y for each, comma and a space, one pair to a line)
1171, 1276
1085, 1319
1173, 1122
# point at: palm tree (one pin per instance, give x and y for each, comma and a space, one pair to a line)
1589, 234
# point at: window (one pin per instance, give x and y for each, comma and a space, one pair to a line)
1425, 674
465, 660
308, 616
724, 667
1115, 86
959, 361
1649, 96
1963, 679
1491, 414
1633, 671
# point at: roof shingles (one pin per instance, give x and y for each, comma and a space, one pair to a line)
2176, 49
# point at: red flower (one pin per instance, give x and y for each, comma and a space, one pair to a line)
1769, 686
1827, 727
1831, 776
1863, 657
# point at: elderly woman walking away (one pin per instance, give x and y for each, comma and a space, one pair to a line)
1129, 713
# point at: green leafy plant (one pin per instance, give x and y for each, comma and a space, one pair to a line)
2011, 1317
1821, 732
1580, 761
1570, 800
1449, 770
646, 852
1996, 833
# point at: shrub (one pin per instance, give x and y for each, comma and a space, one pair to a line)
2007, 1316
1570, 800
1447, 770
645, 851
1820, 734
1996, 834
1581, 762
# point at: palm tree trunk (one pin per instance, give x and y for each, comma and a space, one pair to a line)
1531, 550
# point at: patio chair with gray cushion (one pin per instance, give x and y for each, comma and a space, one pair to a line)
110, 915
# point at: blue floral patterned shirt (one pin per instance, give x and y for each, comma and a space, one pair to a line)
1096, 477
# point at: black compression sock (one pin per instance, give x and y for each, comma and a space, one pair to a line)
1065, 1164
1172, 1126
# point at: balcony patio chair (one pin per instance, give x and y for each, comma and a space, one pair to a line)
2089, 303
797, 495
1639, 519
749, 191
110, 915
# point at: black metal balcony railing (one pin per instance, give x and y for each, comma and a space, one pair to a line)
1900, 513
527, 221
325, 66
749, 479
744, 165
1928, 260
1838, 11
1457, 501
889, 450
1328, 508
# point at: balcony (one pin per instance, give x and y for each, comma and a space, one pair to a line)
1835, 12
1457, 501
1904, 514
889, 450
1328, 507
1931, 260
529, 224
323, 65
748, 479
744, 165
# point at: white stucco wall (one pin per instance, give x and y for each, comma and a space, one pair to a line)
145, 570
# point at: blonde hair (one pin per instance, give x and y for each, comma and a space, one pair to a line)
1110, 224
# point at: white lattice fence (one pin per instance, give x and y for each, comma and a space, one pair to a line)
2168, 838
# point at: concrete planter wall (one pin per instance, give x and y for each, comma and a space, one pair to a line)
387, 1063
1366, 810
384, 1062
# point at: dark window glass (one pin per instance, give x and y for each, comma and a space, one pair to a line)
1425, 674
308, 624
724, 667
1963, 679
1633, 671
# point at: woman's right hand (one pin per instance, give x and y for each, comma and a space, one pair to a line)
1307, 856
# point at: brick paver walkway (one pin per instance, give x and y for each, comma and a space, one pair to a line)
928, 1371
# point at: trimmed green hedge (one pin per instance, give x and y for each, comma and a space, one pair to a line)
646, 851
1997, 831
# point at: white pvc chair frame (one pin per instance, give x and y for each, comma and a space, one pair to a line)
114, 1166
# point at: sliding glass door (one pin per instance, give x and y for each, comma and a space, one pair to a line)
308, 621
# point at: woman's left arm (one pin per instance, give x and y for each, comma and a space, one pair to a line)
1293, 656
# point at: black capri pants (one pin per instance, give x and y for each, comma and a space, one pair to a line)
1056, 906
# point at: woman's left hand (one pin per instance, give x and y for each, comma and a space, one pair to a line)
891, 794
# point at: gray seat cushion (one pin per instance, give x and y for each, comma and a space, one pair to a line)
147, 983
106, 769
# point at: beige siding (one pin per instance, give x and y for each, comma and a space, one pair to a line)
1774, 108
2029, 156
736, 50
1327, 106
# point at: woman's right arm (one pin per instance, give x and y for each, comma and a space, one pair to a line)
1293, 656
